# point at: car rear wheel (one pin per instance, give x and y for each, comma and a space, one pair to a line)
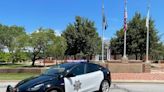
104, 86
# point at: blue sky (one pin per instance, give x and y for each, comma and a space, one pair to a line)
57, 14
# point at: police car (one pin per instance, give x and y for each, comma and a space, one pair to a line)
67, 77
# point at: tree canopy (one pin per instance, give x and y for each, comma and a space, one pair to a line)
44, 43
16, 45
9, 36
136, 38
81, 37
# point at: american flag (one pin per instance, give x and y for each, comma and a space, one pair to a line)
125, 16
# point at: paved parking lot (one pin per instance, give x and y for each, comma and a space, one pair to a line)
3, 85
137, 87
117, 87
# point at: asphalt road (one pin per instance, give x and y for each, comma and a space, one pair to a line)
117, 87
137, 87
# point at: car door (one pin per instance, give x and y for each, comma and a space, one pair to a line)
94, 77
77, 82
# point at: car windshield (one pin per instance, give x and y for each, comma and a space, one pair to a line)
57, 69
54, 70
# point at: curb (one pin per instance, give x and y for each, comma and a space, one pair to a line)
138, 81
114, 81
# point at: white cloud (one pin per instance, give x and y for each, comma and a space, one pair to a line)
58, 32
105, 38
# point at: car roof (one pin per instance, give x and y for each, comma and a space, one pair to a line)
69, 65
72, 63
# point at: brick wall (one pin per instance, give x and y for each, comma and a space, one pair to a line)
146, 68
125, 67
132, 67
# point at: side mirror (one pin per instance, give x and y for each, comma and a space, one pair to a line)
60, 76
70, 75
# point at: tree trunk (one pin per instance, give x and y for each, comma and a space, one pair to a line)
33, 60
136, 56
115, 56
74, 57
90, 57
13, 57
141, 56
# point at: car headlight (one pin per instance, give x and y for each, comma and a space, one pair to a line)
36, 87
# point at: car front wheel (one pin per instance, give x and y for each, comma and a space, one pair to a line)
104, 86
54, 90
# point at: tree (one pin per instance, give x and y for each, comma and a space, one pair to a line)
20, 48
5, 57
39, 41
57, 49
81, 37
117, 44
8, 37
158, 53
1, 47
136, 38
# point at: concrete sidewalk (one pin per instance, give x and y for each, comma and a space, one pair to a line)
138, 77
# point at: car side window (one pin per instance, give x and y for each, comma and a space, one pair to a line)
92, 68
78, 70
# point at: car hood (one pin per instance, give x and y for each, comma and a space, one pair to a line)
29, 82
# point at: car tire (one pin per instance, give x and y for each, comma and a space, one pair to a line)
53, 90
104, 87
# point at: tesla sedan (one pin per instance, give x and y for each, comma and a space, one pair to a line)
67, 77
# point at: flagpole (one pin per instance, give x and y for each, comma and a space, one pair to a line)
125, 59
124, 56
102, 45
147, 41
102, 57
147, 46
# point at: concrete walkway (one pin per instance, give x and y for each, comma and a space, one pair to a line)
138, 77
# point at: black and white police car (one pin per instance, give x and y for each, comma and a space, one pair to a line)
67, 77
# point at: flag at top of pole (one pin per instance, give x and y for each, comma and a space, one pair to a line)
148, 16
125, 16
104, 20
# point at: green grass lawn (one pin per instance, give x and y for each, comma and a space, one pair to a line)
8, 66
15, 76
13, 66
